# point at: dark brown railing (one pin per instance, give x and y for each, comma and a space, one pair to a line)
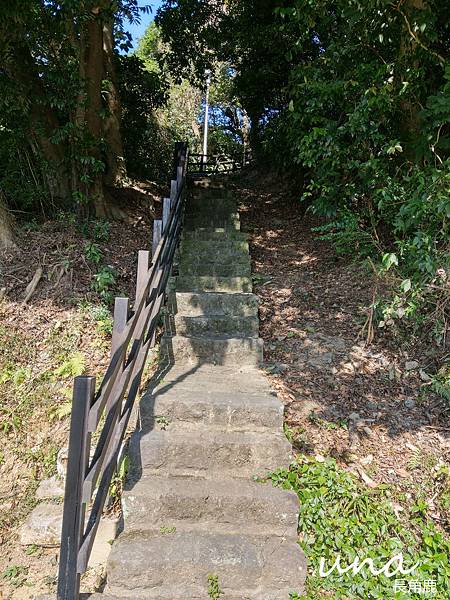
106, 412
212, 164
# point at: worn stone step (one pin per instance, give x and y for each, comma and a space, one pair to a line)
191, 259
216, 234
206, 454
213, 251
234, 244
153, 503
213, 215
146, 565
211, 225
198, 304
218, 350
210, 192
192, 593
245, 379
223, 206
214, 324
232, 269
180, 408
209, 283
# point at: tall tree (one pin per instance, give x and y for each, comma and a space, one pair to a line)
57, 68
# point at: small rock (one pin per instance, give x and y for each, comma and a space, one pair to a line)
372, 406
367, 460
402, 473
354, 416
367, 431
424, 376
319, 458
280, 367
50, 488
411, 447
61, 462
410, 403
411, 365
367, 480
42, 526
321, 359
106, 533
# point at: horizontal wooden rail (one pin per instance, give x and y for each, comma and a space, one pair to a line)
89, 474
201, 165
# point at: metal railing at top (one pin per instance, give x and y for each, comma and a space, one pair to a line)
106, 412
201, 165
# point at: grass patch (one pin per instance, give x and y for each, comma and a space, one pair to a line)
339, 516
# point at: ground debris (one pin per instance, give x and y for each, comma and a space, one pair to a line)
365, 405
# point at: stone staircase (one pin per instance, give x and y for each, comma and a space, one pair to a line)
192, 507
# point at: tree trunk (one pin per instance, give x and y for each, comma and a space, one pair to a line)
92, 70
6, 227
115, 168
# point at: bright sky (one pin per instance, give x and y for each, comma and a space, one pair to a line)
138, 30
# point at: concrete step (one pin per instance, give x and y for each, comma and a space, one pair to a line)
213, 192
218, 350
232, 269
210, 455
216, 234
209, 283
191, 259
236, 378
211, 206
146, 565
210, 225
198, 304
213, 251
192, 593
219, 247
183, 408
226, 505
215, 324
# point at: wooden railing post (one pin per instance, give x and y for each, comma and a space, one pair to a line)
74, 508
157, 234
133, 334
167, 203
173, 191
180, 170
121, 314
142, 271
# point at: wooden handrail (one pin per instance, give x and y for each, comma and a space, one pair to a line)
201, 165
133, 335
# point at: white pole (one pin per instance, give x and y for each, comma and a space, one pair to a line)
205, 126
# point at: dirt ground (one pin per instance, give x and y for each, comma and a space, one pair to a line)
367, 405
61, 331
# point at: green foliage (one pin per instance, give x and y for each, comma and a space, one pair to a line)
101, 230
440, 383
158, 109
102, 316
16, 575
92, 252
214, 589
146, 146
72, 366
116, 486
103, 280
56, 149
338, 516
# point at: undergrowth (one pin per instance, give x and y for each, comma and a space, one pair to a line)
340, 517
